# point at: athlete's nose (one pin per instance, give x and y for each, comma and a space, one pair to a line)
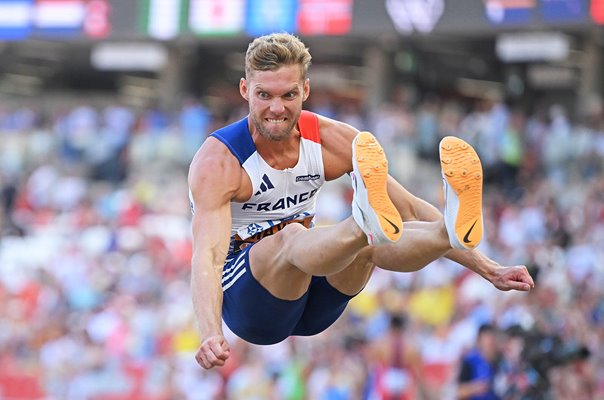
277, 106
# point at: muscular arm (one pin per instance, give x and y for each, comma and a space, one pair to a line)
213, 179
502, 277
209, 253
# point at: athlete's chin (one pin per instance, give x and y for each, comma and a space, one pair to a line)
277, 135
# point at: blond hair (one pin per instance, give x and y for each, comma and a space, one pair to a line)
270, 52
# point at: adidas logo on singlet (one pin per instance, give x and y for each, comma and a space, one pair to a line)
265, 185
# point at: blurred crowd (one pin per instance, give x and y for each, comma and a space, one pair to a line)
95, 260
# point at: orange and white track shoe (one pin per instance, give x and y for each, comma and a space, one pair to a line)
372, 209
462, 180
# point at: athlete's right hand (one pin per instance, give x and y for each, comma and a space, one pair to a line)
213, 352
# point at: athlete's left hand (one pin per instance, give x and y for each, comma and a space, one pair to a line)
213, 352
515, 277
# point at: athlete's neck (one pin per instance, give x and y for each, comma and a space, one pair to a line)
279, 154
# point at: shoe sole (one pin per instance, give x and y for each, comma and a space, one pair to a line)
462, 169
373, 168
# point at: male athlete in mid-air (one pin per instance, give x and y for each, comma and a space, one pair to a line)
258, 262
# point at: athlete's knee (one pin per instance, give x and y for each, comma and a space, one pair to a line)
290, 232
286, 239
275, 249
366, 255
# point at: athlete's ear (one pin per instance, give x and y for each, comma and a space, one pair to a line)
306, 89
243, 89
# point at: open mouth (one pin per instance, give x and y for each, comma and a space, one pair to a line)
275, 120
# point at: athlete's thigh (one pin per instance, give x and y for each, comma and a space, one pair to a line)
269, 265
324, 305
352, 279
328, 296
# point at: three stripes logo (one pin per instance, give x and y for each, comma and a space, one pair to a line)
265, 185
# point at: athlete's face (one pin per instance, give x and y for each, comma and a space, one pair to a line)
275, 100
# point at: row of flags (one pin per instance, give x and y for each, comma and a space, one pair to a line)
334, 17
20, 19
520, 12
168, 19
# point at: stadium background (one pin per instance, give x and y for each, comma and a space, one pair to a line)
103, 103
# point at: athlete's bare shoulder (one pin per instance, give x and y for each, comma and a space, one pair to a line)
336, 144
215, 171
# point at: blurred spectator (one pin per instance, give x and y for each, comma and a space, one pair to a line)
108, 156
154, 120
194, 121
478, 367
513, 379
78, 130
427, 128
396, 371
